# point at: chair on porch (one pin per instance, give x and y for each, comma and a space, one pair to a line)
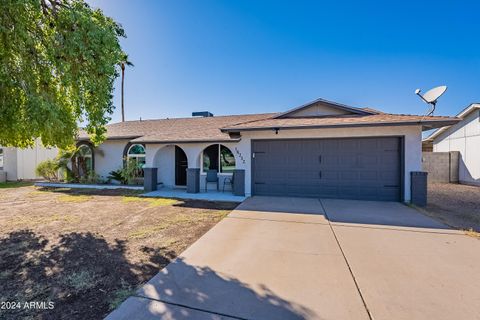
212, 177
229, 181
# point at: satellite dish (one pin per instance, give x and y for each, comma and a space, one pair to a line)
431, 96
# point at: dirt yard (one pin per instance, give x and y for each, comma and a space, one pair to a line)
87, 251
456, 205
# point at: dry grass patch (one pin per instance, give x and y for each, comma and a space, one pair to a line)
88, 250
41, 220
74, 198
153, 202
145, 232
472, 233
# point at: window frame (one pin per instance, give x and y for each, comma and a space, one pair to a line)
90, 156
136, 156
219, 157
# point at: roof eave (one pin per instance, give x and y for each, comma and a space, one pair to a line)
184, 141
431, 124
111, 138
465, 112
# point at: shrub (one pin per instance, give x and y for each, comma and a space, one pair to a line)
91, 178
48, 169
117, 175
131, 171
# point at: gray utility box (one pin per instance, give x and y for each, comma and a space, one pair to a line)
193, 180
239, 183
150, 179
3, 176
419, 188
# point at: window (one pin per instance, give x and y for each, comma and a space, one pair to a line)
82, 163
1, 159
218, 157
136, 153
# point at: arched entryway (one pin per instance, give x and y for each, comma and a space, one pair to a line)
171, 162
181, 165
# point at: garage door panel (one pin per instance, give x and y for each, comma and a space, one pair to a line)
368, 160
364, 168
368, 175
347, 160
329, 159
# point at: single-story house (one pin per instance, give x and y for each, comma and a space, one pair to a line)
20, 164
463, 137
320, 149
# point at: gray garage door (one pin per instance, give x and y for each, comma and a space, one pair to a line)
363, 168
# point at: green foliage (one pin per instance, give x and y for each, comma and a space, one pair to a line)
117, 175
91, 178
120, 295
131, 171
15, 184
48, 169
63, 159
58, 63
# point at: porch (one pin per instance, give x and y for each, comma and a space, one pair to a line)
181, 193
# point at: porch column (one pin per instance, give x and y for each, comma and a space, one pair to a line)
150, 179
193, 180
239, 182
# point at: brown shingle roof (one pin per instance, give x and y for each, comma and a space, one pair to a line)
177, 129
343, 121
216, 129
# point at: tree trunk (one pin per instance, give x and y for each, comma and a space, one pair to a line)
123, 79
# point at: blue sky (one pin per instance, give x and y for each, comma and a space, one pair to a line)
233, 57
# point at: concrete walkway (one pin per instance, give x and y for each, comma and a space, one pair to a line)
294, 258
181, 193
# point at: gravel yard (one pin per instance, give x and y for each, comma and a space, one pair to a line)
456, 205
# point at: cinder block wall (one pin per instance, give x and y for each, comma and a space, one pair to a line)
441, 166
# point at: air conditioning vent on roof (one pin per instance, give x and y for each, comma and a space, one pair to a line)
204, 114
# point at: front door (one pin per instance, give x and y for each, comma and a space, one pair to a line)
181, 165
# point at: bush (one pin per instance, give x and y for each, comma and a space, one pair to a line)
91, 178
132, 171
117, 175
48, 169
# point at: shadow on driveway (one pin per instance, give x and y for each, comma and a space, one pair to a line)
183, 291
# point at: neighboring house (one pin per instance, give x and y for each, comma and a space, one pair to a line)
321, 149
20, 164
463, 137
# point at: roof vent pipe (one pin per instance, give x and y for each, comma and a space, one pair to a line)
204, 114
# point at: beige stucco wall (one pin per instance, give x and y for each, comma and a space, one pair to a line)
28, 160
20, 164
317, 110
109, 157
464, 137
10, 163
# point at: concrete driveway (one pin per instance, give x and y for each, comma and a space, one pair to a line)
295, 258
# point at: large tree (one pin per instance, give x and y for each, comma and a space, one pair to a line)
58, 63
